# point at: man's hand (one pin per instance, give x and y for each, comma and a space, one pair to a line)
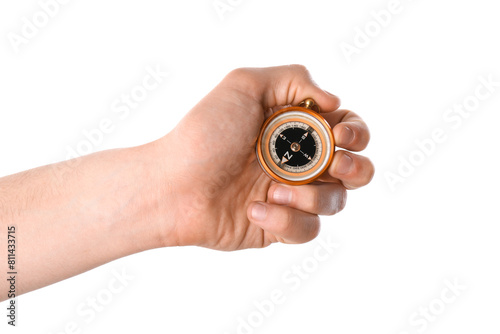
222, 198
198, 185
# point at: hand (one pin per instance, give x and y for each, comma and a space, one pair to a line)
219, 196
199, 185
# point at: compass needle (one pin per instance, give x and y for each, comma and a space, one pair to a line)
304, 136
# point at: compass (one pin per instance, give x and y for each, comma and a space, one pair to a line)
295, 145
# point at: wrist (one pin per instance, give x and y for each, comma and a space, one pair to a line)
178, 202
154, 204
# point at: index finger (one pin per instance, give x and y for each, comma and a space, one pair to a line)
282, 85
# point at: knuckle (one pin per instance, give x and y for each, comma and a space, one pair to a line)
284, 222
363, 173
244, 79
299, 68
314, 228
364, 136
370, 171
367, 133
337, 201
242, 74
342, 199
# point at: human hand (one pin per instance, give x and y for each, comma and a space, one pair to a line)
199, 185
220, 198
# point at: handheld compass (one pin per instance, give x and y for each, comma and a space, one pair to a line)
296, 144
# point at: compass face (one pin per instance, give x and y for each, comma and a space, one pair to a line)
295, 146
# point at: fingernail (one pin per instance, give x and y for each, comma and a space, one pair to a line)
259, 211
282, 195
346, 136
330, 93
345, 164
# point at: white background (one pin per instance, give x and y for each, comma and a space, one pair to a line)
397, 246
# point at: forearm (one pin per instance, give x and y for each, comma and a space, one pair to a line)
73, 216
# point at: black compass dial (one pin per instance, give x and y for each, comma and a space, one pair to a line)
294, 147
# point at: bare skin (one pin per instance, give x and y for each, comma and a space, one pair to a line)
199, 185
